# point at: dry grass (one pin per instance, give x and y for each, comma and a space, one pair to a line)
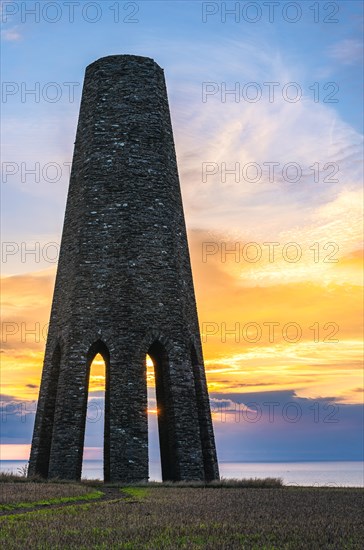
267, 483
190, 518
20, 477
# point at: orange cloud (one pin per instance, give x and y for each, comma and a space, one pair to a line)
303, 336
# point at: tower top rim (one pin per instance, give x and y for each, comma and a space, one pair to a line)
122, 59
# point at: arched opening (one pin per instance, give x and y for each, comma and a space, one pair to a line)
155, 471
95, 434
163, 398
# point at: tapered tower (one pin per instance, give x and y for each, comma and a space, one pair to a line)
124, 289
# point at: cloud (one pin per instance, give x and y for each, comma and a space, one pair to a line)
256, 426
26, 309
279, 425
11, 35
17, 419
348, 51
236, 132
227, 293
4, 398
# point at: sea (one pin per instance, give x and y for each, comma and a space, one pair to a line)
317, 474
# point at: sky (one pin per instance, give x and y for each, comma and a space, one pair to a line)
266, 106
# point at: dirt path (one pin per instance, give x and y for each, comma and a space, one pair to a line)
110, 493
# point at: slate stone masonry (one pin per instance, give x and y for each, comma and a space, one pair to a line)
124, 289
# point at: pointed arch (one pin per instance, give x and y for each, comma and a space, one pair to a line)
98, 347
154, 335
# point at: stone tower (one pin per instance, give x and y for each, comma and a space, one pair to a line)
124, 289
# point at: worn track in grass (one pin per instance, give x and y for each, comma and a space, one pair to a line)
109, 494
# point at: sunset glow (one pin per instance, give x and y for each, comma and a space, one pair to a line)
277, 262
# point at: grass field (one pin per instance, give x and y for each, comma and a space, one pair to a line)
68, 515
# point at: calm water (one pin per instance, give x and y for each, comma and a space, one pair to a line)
343, 474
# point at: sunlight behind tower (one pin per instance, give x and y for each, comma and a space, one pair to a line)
94, 430
155, 471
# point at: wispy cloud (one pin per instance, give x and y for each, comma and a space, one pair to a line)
11, 35
306, 132
348, 51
